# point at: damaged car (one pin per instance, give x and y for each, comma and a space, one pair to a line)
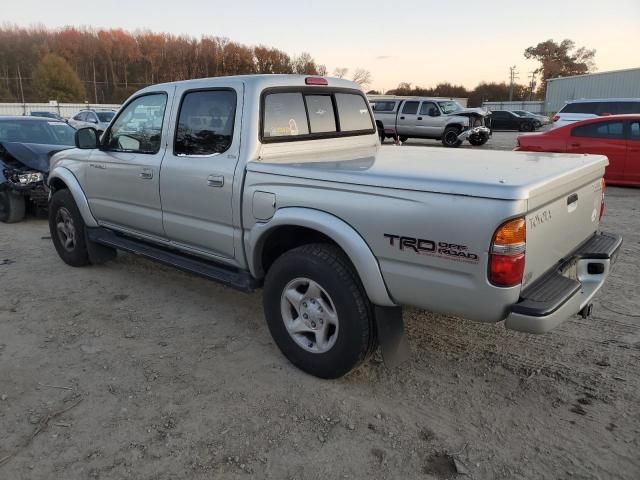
440, 119
26, 145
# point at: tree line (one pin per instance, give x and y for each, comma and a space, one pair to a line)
106, 66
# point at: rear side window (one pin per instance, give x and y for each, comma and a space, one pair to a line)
285, 115
613, 130
410, 108
353, 113
322, 118
580, 107
205, 122
383, 106
314, 113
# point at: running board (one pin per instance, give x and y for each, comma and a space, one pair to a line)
230, 277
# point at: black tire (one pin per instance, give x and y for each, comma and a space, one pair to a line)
478, 141
381, 134
328, 266
13, 206
526, 127
63, 210
450, 137
403, 138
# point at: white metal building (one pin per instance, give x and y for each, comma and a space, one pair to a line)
614, 84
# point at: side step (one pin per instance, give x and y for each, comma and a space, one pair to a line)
233, 278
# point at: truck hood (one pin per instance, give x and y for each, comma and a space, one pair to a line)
504, 175
33, 156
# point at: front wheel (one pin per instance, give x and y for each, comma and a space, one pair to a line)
12, 206
526, 127
318, 312
478, 141
67, 229
450, 137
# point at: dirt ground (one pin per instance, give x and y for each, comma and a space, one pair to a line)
177, 377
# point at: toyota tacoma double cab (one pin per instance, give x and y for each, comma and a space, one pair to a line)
279, 182
431, 118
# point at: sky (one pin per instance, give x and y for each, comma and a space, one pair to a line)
422, 42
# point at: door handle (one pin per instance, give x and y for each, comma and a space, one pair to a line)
401, 118
419, 118
146, 174
215, 180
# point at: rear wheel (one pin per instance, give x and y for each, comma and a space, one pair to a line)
402, 138
381, 134
318, 312
67, 229
12, 206
450, 137
526, 127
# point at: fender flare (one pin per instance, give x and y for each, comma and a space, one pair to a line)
69, 179
333, 227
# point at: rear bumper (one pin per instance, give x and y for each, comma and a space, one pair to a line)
567, 289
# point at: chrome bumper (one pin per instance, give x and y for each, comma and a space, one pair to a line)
474, 131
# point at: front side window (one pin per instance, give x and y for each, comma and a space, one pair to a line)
138, 128
353, 112
205, 122
285, 115
410, 108
430, 109
613, 130
635, 131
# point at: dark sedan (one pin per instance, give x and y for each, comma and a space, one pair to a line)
26, 144
506, 120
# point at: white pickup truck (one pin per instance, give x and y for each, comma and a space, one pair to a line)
280, 182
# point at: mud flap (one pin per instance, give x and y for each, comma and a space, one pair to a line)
393, 341
98, 254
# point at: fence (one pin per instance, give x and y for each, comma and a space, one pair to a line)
533, 106
65, 110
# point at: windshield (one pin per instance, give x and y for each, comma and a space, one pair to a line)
45, 132
450, 106
105, 116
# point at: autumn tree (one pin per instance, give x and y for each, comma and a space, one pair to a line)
304, 64
560, 59
362, 77
54, 79
340, 72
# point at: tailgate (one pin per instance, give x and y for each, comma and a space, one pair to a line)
559, 223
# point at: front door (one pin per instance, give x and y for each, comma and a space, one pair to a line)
602, 138
123, 178
430, 121
196, 180
407, 118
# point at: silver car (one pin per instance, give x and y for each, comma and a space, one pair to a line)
98, 119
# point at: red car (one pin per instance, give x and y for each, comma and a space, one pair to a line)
616, 136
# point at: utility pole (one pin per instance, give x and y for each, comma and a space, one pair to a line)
532, 84
513, 75
95, 88
24, 107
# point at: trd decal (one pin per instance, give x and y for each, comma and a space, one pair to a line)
421, 246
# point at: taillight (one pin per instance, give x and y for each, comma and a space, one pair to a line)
602, 202
507, 255
556, 118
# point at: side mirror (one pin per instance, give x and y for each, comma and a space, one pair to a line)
86, 138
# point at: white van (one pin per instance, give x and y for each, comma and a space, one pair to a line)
576, 110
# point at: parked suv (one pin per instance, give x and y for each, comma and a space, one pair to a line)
576, 110
441, 119
98, 119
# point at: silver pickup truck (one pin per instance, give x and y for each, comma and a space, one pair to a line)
280, 182
431, 118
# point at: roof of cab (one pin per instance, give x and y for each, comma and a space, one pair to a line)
258, 81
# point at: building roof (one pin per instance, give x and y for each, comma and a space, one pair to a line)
594, 74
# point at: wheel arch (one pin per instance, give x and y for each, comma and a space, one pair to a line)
62, 178
310, 226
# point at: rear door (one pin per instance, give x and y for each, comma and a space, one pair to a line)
196, 180
632, 165
602, 138
408, 118
499, 120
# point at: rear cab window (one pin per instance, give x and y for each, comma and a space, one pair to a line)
383, 106
310, 113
